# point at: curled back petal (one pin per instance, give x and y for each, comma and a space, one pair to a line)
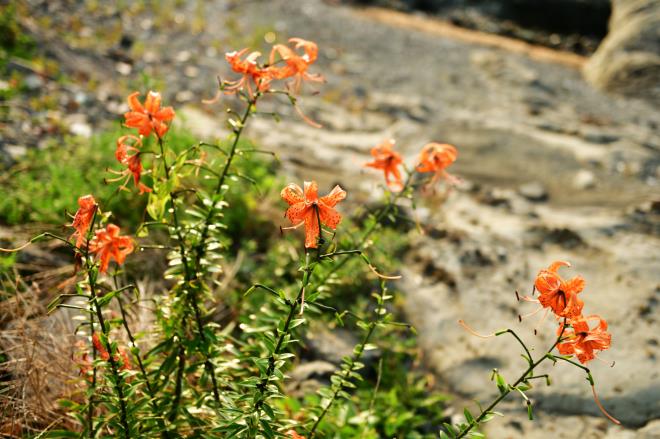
573, 286
335, 196
152, 103
165, 114
311, 192
134, 103
292, 194
296, 213
329, 216
557, 264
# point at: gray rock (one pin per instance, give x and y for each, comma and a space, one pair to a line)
533, 191
628, 60
330, 346
33, 82
307, 378
584, 179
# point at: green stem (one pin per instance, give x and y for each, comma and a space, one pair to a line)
510, 388
308, 269
189, 293
200, 251
150, 389
106, 335
357, 355
381, 214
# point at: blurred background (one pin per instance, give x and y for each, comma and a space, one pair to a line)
553, 106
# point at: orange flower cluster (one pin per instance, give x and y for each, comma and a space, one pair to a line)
561, 296
295, 66
435, 157
306, 208
107, 244
128, 154
83, 218
147, 118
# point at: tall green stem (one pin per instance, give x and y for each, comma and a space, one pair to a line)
504, 393
357, 355
91, 276
150, 389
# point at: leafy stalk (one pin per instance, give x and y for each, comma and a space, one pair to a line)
151, 391
353, 364
118, 381
505, 390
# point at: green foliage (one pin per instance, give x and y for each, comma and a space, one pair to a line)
47, 182
13, 40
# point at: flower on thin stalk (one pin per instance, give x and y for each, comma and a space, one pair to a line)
83, 218
436, 157
296, 65
150, 116
581, 340
388, 160
132, 162
306, 208
560, 295
108, 245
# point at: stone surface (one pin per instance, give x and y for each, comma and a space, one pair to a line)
628, 60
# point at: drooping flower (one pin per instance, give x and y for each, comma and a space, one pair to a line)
150, 117
560, 295
436, 157
581, 340
83, 218
132, 161
296, 65
388, 160
306, 208
108, 244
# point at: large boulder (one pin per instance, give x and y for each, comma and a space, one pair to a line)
628, 59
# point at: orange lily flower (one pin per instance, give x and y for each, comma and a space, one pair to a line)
436, 157
558, 294
388, 160
250, 70
296, 64
581, 340
108, 244
149, 117
132, 162
293, 434
82, 219
307, 208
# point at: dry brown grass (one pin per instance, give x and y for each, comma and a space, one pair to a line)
37, 369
